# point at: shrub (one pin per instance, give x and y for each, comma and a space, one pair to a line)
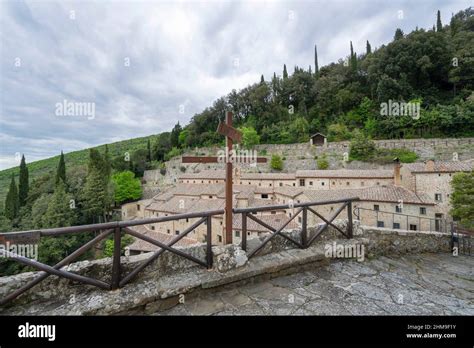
276, 162
182, 168
362, 148
322, 163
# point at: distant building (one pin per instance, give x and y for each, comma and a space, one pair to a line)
433, 179
318, 139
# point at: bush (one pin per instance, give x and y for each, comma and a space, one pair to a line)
163, 169
322, 163
109, 245
182, 168
173, 153
362, 148
276, 162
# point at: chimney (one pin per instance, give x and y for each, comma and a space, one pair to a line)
429, 165
396, 172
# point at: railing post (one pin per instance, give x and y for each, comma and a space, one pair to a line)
244, 231
349, 216
209, 242
116, 259
304, 228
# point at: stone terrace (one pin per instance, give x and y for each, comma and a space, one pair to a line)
425, 284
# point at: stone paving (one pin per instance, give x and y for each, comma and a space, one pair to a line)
426, 284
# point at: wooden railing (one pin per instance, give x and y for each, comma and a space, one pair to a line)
118, 228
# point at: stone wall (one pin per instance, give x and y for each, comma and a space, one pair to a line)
227, 260
302, 157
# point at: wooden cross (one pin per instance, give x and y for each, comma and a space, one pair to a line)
231, 134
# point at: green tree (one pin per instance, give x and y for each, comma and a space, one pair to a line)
23, 183
362, 148
12, 204
462, 199
276, 162
316, 65
148, 149
398, 34
439, 26
174, 138
61, 208
322, 162
96, 194
250, 137
183, 138
127, 187
61, 170
285, 72
368, 49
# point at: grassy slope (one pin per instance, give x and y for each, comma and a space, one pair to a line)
48, 165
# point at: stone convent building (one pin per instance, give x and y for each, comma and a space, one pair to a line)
410, 197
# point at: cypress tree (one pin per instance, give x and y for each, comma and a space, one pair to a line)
148, 149
59, 212
439, 26
316, 66
285, 73
107, 163
398, 34
11, 202
369, 48
23, 185
353, 59
61, 170
262, 80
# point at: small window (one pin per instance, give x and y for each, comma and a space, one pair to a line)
334, 183
396, 225
264, 195
237, 234
138, 206
281, 184
347, 183
168, 231
378, 183
422, 211
322, 184
310, 183
273, 212
294, 184
413, 227
187, 220
398, 209
177, 232
380, 224
299, 219
438, 197
219, 238
362, 183
376, 207
153, 228
301, 182
248, 233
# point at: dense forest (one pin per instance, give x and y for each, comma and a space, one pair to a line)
434, 68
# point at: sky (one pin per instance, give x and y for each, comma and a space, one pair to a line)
76, 74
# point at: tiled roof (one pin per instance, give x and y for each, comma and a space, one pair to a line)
181, 205
288, 191
382, 193
440, 167
220, 174
274, 220
141, 245
345, 173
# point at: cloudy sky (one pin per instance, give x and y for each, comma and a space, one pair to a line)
144, 65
